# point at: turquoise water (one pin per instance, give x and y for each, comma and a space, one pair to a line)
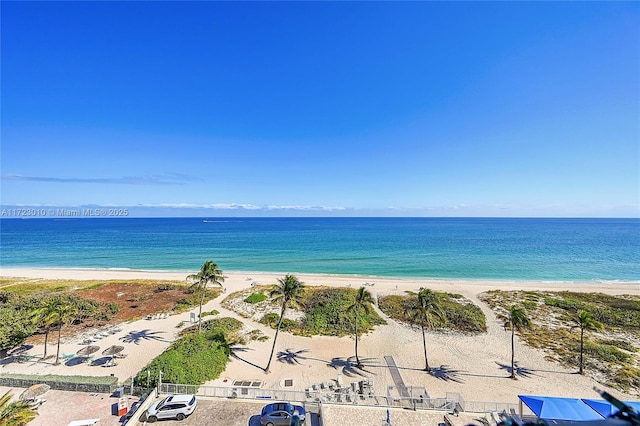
509, 249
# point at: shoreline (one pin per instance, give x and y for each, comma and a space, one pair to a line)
52, 272
238, 280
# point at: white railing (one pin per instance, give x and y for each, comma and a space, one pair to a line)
450, 402
312, 397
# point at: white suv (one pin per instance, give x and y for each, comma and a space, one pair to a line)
172, 407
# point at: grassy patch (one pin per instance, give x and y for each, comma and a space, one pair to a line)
610, 353
325, 313
256, 298
461, 315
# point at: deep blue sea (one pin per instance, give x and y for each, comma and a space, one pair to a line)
476, 248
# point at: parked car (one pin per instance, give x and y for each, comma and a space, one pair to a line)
172, 407
279, 414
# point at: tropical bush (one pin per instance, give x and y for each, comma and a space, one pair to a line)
256, 298
460, 314
287, 324
195, 358
16, 310
325, 313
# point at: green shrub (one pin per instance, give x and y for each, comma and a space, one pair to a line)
460, 316
326, 313
622, 344
605, 353
566, 304
193, 359
209, 313
256, 298
270, 319
626, 378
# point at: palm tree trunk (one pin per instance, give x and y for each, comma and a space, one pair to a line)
513, 351
424, 345
275, 338
46, 339
356, 324
58, 350
581, 349
204, 290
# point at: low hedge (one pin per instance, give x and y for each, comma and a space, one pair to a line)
100, 384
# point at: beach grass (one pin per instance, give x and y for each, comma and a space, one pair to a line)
460, 314
611, 354
29, 286
323, 311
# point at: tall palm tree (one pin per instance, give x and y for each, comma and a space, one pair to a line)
209, 273
585, 321
17, 413
362, 303
65, 313
425, 309
46, 316
517, 320
289, 291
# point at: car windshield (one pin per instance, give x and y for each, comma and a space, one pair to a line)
192, 400
161, 403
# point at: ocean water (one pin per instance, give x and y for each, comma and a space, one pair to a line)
580, 250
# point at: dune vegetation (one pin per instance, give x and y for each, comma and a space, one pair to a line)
460, 314
611, 351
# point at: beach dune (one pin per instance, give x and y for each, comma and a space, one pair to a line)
476, 367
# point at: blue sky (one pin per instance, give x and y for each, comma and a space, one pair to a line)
339, 108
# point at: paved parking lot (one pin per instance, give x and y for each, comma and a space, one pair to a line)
219, 412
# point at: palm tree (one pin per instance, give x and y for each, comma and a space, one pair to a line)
65, 313
209, 273
362, 303
17, 413
517, 320
585, 321
289, 291
46, 316
425, 309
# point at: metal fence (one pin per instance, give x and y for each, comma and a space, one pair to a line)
315, 397
452, 401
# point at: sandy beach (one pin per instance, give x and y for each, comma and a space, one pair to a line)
474, 366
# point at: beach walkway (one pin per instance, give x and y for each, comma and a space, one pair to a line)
397, 378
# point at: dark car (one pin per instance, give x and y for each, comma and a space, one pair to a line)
279, 414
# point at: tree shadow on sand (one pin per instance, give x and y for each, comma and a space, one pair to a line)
520, 371
350, 368
137, 336
447, 374
292, 357
234, 354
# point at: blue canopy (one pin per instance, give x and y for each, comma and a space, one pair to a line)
607, 409
552, 408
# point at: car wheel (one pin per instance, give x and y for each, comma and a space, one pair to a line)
179, 416
269, 424
152, 419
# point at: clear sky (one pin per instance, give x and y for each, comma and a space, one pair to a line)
328, 108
